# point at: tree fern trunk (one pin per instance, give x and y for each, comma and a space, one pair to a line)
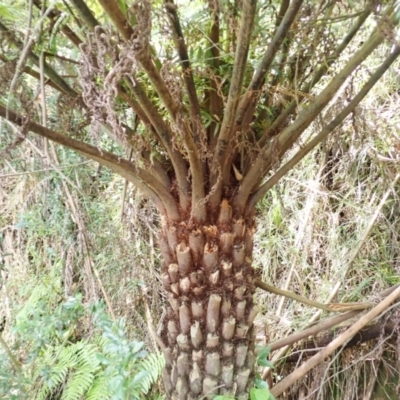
208, 331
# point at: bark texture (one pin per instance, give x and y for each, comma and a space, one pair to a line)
208, 332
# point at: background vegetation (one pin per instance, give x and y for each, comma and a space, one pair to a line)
80, 269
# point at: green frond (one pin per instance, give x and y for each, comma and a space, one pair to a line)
77, 385
74, 366
153, 364
81, 379
39, 292
53, 367
99, 389
87, 356
43, 393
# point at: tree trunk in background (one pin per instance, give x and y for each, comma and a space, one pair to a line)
208, 330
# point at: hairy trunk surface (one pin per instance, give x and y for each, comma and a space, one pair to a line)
208, 330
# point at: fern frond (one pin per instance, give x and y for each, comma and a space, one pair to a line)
153, 364
39, 292
53, 367
99, 389
75, 366
81, 379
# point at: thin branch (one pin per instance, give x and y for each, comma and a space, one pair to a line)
288, 136
338, 18
28, 70
335, 307
26, 51
54, 14
328, 323
235, 89
215, 99
149, 319
165, 136
43, 102
26, 47
248, 102
85, 13
299, 63
132, 133
273, 84
187, 70
141, 178
134, 105
88, 258
62, 58
28, 32
192, 142
380, 329
330, 59
72, 14
37, 171
282, 11
49, 71
335, 344
259, 194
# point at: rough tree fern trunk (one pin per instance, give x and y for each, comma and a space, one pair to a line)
208, 330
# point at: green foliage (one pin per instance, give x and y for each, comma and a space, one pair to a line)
74, 367
262, 360
12, 386
58, 363
12, 11
260, 391
260, 394
153, 364
39, 324
128, 369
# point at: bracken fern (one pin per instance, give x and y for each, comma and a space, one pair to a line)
92, 371
74, 366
